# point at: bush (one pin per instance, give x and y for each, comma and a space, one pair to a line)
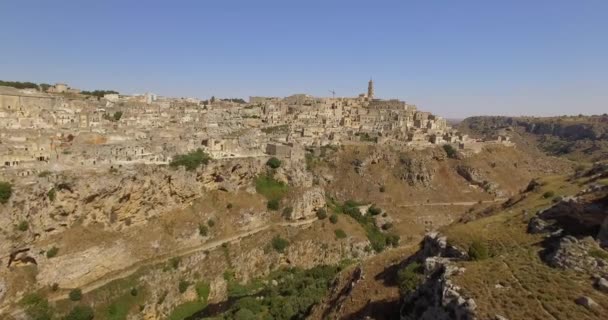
269, 187
202, 291
340, 234
374, 211
392, 240
287, 212
190, 161
279, 244
273, 204
134, 292
382, 189
80, 313
75, 294
409, 277
183, 286
273, 163
36, 307
321, 213
229, 206
51, 194
478, 250
211, 223
52, 252
6, 190
333, 218
44, 174
450, 151
174, 262
203, 230
23, 226
387, 226
55, 286
548, 194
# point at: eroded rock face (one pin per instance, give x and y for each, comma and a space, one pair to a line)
473, 176
307, 203
437, 297
572, 253
416, 172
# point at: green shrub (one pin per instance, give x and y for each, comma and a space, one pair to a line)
409, 278
478, 250
51, 194
134, 292
75, 294
37, 307
321, 213
203, 230
279, 244
6, 190
229, 206
374, 211
269, 187
52, 252
191, 160
392, 240
340, 234
450, 151
548, 194
174, 262
333, 218
80, 313
287, 212
273, 162
211, 223
183, 286
23, 226
202, 290
44, 174
273, 204
387, 226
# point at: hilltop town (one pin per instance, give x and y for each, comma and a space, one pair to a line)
59, 128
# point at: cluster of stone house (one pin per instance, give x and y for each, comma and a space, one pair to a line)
40, 131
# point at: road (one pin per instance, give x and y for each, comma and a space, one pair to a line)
125, 272
461, 203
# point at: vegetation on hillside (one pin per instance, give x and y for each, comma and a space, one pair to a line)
191, 160
98, 93
270, 188
6, 190
285, 294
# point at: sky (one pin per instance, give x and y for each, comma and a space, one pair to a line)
454, 58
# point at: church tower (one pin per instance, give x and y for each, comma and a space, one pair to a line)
370, 89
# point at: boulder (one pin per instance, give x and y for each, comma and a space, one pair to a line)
586, 302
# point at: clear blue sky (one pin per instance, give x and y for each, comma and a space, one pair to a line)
455, 58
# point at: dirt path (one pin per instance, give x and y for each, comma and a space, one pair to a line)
461, 203
125, 272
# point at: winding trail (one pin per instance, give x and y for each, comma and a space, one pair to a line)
461, 203
125, 272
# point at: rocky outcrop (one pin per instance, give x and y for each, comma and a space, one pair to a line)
582, 255
416, 171
307, 203
474, 177
437, 297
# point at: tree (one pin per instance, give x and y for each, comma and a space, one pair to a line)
117, 115
408, 278
44, 87
75, 294
279, 244
36, 307
273, 204
273, 162
80, 313
191, 160
203, 230
333, 218
183, 286
321, 213
287, 212
450, 151
6, 190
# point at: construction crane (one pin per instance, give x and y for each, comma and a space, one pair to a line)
333, 93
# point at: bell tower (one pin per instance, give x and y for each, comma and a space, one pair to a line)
370, 89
